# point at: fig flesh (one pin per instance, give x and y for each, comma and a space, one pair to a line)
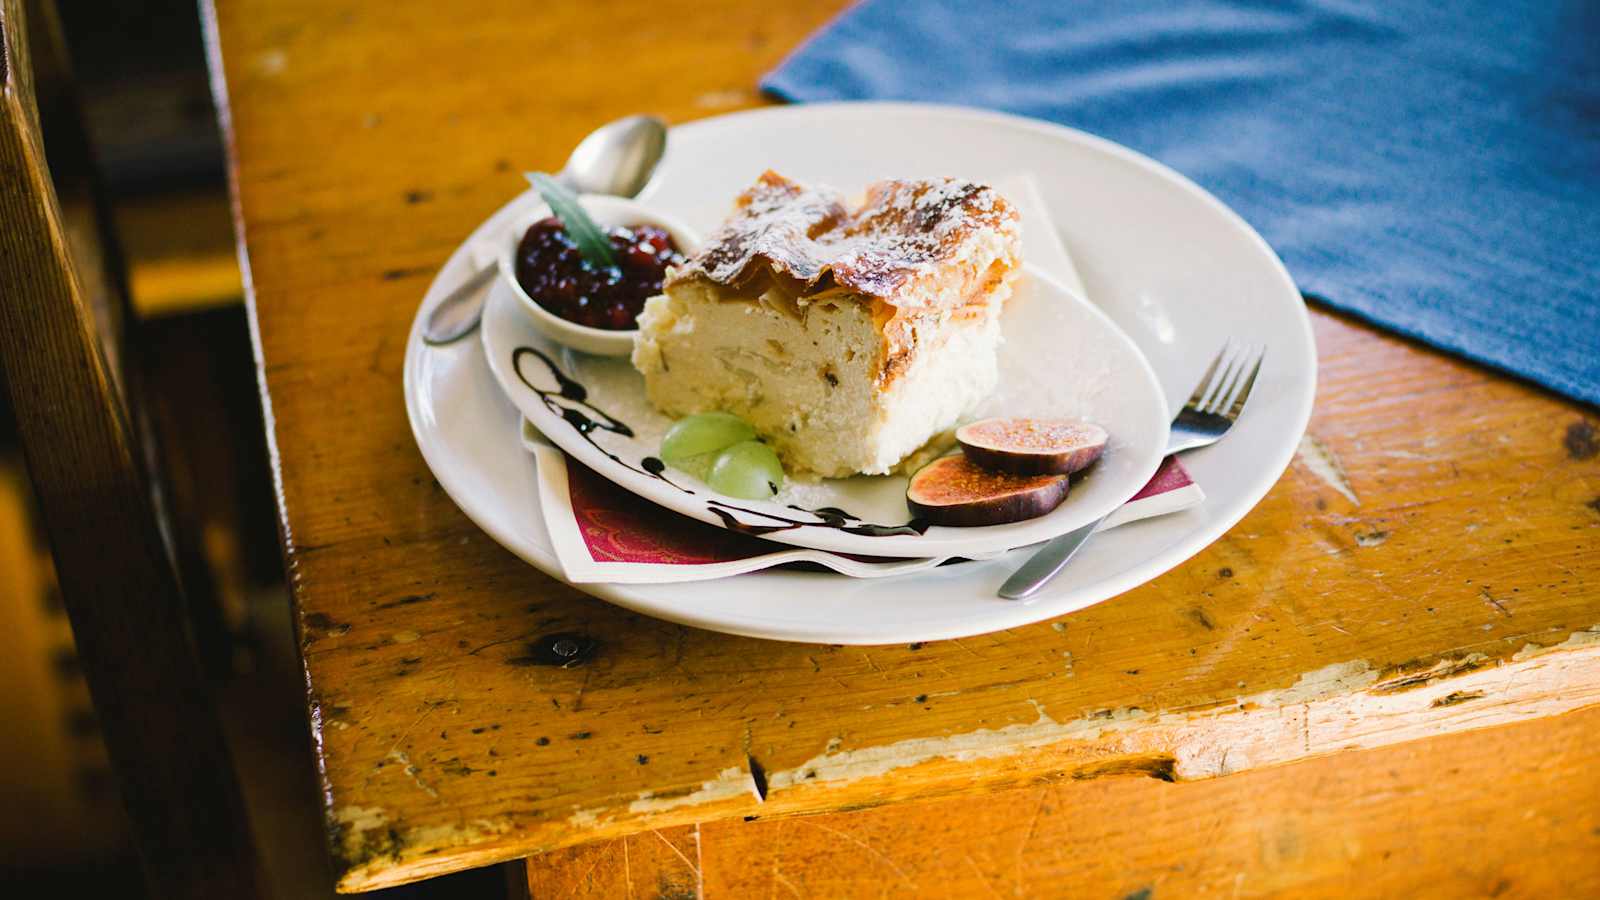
1025, 446
953, 490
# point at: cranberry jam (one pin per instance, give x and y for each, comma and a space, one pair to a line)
555, 274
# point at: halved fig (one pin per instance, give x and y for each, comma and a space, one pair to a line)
953, 490
1033, 446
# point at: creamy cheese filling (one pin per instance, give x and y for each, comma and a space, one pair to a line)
808, 378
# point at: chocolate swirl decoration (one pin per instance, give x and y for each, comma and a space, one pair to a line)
569, 401
830, 516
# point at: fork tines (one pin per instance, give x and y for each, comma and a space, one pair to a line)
1227, 382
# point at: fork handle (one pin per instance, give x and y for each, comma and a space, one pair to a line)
1046, 562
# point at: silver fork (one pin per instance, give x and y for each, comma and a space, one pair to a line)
1212, 409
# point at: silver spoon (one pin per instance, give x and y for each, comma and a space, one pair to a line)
617, 158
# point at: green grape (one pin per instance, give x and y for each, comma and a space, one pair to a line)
704, 433
747, 470
699, 465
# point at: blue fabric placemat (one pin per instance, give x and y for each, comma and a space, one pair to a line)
1431, 167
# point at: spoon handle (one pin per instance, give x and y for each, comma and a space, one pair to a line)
459, 312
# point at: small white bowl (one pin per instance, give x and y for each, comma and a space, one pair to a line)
607, 212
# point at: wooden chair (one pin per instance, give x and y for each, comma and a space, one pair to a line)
73, 384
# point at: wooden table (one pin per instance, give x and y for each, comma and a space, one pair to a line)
1428, 571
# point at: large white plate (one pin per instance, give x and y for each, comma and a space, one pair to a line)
1061, 357
1177, 270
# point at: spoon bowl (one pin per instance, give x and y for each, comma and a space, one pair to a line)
617, 158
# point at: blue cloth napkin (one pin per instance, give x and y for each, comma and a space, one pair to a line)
1432, 167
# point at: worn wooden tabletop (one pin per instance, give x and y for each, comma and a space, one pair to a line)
1429, 565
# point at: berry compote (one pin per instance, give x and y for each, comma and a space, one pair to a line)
555, 274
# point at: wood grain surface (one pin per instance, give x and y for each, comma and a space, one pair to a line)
1427, 566
1511, 811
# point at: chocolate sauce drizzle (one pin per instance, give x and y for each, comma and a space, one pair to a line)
830, 516
579, 414
582, 416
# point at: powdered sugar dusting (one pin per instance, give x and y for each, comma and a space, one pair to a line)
906, 239
810, 494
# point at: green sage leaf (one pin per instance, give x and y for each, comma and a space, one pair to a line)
590, 238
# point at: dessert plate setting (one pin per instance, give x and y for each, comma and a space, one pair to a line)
1060, 356
1170, 271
